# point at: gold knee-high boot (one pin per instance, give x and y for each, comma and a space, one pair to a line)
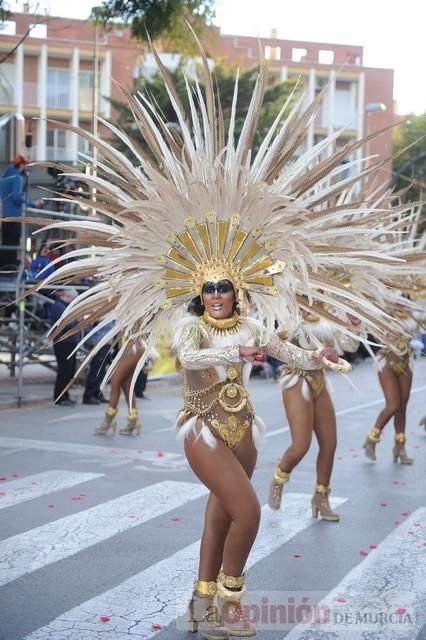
321, 505
230, 592
399, 452
202, 614
279, 479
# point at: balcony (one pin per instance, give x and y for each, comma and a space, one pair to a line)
30, 94
58, 154
58, 100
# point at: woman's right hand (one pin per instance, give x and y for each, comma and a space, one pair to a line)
253, 354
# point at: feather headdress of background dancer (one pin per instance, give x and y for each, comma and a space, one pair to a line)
199, 206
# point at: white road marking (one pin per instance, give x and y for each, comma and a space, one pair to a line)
342, 412
37, 548
41, 484
69, 417
155, 458
392, 578
159, 594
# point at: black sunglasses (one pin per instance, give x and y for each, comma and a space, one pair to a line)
223, 286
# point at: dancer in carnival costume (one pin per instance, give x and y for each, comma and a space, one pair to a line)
309, 409
196, 219
395, 358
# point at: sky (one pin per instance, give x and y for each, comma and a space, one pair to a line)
391, 32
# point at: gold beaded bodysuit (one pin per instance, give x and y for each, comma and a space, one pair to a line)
397, 355
311, 332
216, 401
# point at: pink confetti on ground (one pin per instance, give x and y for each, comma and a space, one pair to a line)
3, 478
400, 611
383, 504
2, 493
395, 481
363, 553
175, 519
405, 513
131, 516
297, 555
160, 454
104, 618
373, 546
82, 495
15, 475
417, 524
341, 599
397, 522
51, 506
410, 533
354, 455
156, 627
34, 482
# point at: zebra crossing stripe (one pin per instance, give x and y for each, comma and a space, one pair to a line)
158, 595
41, 484
369, 601
39, 547
111, 453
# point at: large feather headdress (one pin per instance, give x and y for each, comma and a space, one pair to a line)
198, 206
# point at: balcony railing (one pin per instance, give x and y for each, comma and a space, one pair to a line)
30, 94
56, 100
58, 154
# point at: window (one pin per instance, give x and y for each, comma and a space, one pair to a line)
326, 56
56, 145
7, 74
297, 55
8, 28
58, 88
38, 31
272, 53
86, 90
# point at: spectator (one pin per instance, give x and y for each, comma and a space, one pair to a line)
63, 349
97, 368
39, 263
13, 198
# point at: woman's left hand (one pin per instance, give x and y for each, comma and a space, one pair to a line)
329, 354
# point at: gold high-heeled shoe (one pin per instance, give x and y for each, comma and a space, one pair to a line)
134, 424
202, 614
230, 592
109, 422
371, 440
320, 504
279, 479
399, 452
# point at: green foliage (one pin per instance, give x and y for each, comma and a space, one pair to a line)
4, 11
410, 164
162, 19
275, 96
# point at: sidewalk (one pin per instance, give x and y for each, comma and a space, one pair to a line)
39, 382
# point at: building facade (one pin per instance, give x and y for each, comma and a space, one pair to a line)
357, 98
50, 75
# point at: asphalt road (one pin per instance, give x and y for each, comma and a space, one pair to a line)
99, 535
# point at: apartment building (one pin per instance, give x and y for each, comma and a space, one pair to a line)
50, 75
358, 98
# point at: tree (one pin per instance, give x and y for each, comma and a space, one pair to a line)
162, 19
4, 11
275, 96
410, 164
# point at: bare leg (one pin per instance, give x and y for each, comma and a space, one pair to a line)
217, 519
221, 471
123, 372
389, 383
404, 385
300, 415
325, 431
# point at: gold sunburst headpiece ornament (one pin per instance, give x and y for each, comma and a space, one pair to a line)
213, 250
